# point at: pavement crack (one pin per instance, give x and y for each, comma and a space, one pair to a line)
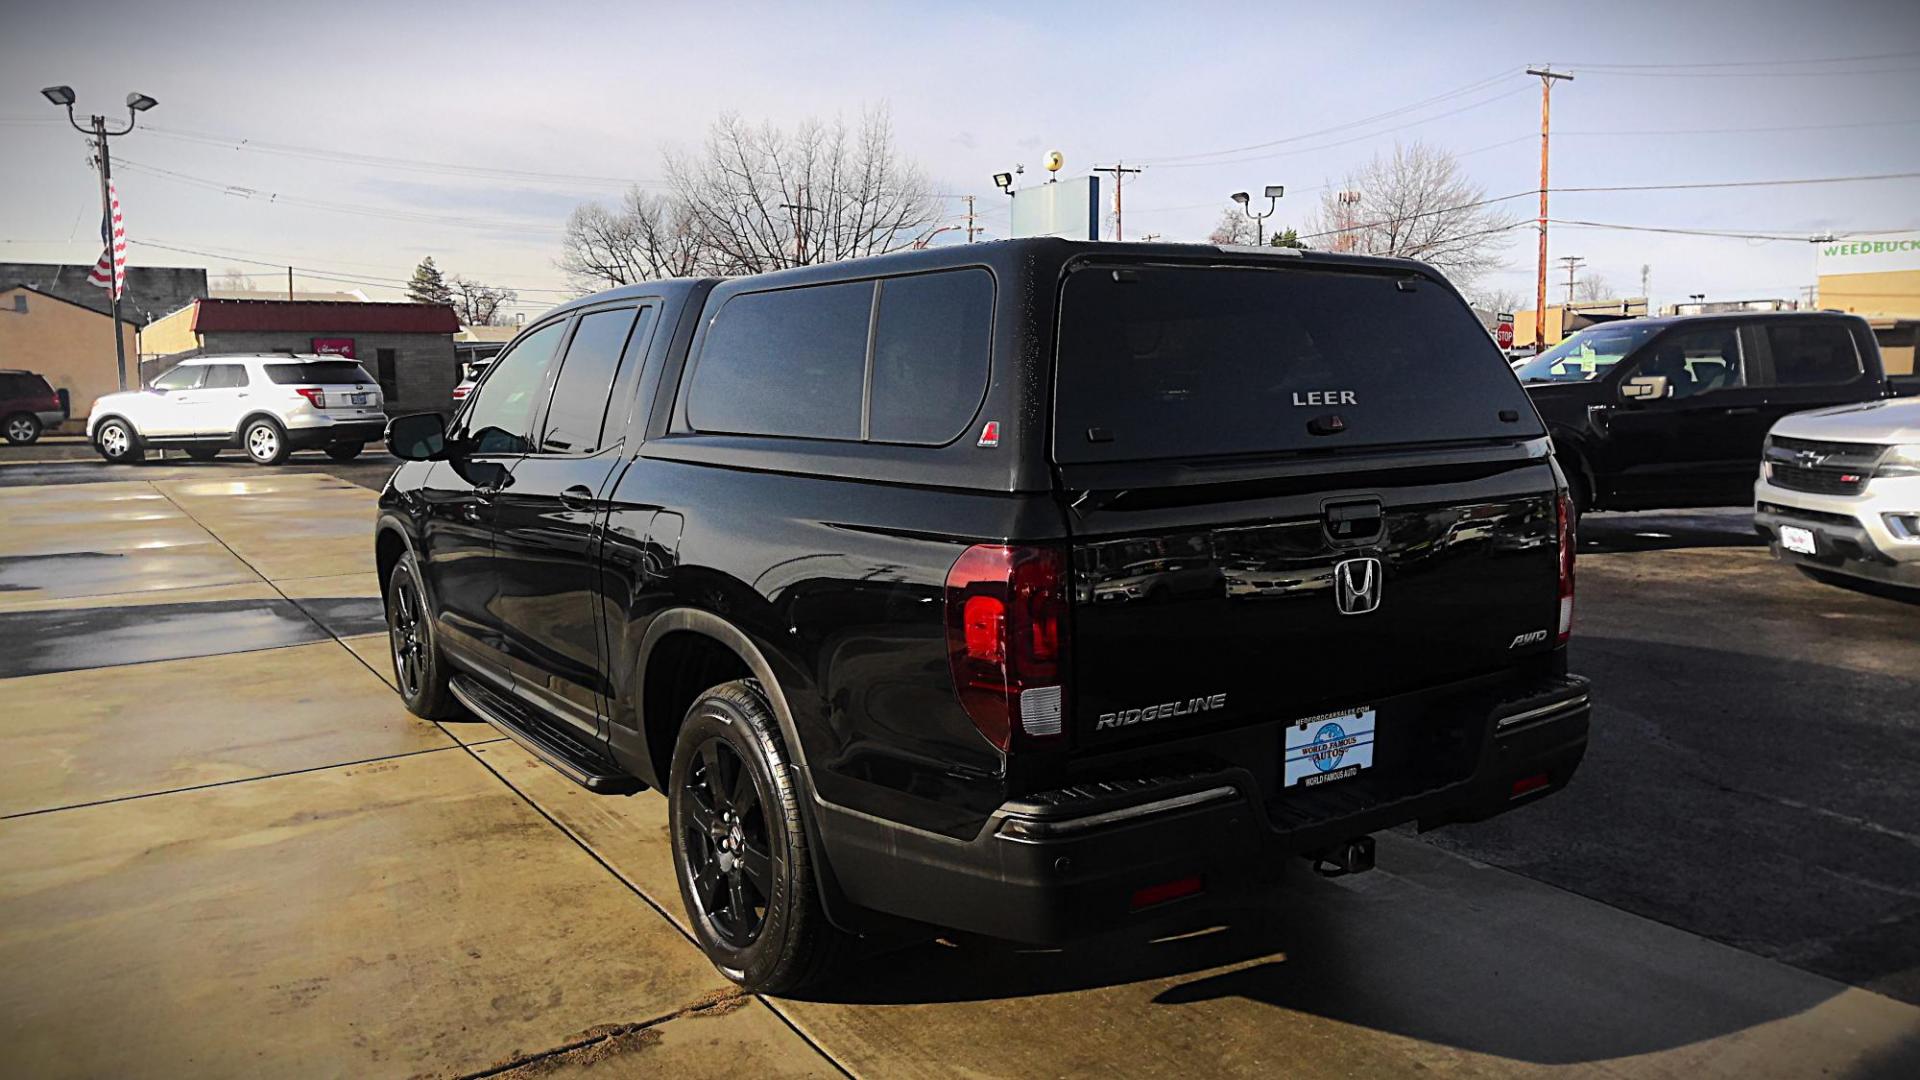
603, 1041
1819, 811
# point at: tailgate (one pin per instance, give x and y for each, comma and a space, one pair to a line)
1282, 607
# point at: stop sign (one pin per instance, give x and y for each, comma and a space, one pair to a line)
1503, 330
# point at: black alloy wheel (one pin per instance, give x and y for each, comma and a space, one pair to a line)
724, 827
407, 637
740, 849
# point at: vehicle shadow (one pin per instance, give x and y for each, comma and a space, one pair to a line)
1438, 949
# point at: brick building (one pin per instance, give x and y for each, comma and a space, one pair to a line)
408, 347
71, 344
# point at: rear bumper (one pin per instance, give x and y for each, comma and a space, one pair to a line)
1071, 863
52, 418
329, 434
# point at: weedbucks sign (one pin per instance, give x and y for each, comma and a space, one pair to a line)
1870, 256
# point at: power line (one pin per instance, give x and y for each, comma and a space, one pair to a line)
1469, 88
1747, 74
1349, 141
1744, 183
1774, 234
348, 157
1763, 63
273, 197
324, 274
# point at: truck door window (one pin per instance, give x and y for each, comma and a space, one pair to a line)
1812, 354
586, 381
1696, 362
502, 411
183, 377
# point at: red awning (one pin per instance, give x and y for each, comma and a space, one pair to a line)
319, 317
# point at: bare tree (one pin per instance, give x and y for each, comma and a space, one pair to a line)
648, 237
1591, 287
1415, 203
235, 280
480, 305
1234, 227
762, 198
1500, 301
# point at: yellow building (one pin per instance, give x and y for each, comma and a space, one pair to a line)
69, 344
1563, 319
1878, 277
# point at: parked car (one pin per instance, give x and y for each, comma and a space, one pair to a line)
1671, 412
824, 556
28, 406
1839, 492
267, 405
468, 378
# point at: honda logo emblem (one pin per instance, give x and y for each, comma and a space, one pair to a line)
1356, 586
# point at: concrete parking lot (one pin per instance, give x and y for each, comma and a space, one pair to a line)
226, 849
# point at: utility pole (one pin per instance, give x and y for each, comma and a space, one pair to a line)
1572, 263
1119, 170
289, 282
794, 211
971, 230
1548, 77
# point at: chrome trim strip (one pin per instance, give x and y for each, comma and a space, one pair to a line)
1544, 710
1027, 829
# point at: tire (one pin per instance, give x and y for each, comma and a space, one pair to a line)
23, 429
345, 451
732, 806
116, 441
203, 453
419, 672
265, 441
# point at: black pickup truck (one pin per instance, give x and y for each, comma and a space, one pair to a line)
1670, 412
1028, 588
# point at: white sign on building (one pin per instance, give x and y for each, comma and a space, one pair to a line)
1869, 254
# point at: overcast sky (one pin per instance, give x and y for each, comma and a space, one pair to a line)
261, 104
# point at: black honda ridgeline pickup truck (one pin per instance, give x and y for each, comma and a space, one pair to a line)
1029, 588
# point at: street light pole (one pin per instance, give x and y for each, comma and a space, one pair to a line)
136, 103
1274, 193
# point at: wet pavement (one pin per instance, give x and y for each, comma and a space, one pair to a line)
227, 849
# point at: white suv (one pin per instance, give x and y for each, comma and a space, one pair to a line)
269, 406
1839, 491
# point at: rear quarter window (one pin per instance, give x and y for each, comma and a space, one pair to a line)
330, 372
932, 344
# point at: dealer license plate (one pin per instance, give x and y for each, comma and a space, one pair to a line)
359, 399
1797, 539
1329, 747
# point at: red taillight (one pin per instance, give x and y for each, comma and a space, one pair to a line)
314, 395
1566, 567
1165, 891
1006, 635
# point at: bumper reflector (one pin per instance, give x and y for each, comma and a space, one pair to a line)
1168, 890
1527, 784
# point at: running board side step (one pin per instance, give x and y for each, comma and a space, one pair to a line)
547, 740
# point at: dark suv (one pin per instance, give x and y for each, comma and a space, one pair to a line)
1648, 414
28, 406
1027, 588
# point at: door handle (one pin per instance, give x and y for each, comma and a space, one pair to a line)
577, 497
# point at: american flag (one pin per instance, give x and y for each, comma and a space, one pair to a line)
111, 271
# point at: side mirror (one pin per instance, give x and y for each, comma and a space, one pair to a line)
417, 437
1644, 388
